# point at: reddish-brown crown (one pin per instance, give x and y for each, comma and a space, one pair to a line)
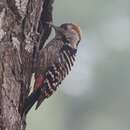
74, 27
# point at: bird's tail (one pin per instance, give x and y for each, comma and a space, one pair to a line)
30, 101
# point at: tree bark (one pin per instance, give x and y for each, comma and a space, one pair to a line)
23, 32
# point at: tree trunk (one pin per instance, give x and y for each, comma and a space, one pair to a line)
23, 32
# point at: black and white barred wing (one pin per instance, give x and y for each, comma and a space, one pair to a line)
56, 73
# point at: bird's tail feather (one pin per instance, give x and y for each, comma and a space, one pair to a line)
30, 101
40, 100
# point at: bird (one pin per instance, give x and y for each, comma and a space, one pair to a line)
54, 63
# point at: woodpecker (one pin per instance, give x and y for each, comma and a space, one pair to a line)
58, 57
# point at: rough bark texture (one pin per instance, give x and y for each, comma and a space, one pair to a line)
23, 31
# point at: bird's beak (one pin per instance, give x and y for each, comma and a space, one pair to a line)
56, 28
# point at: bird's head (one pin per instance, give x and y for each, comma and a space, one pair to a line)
69, 33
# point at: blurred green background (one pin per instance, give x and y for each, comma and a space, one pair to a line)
96, 94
